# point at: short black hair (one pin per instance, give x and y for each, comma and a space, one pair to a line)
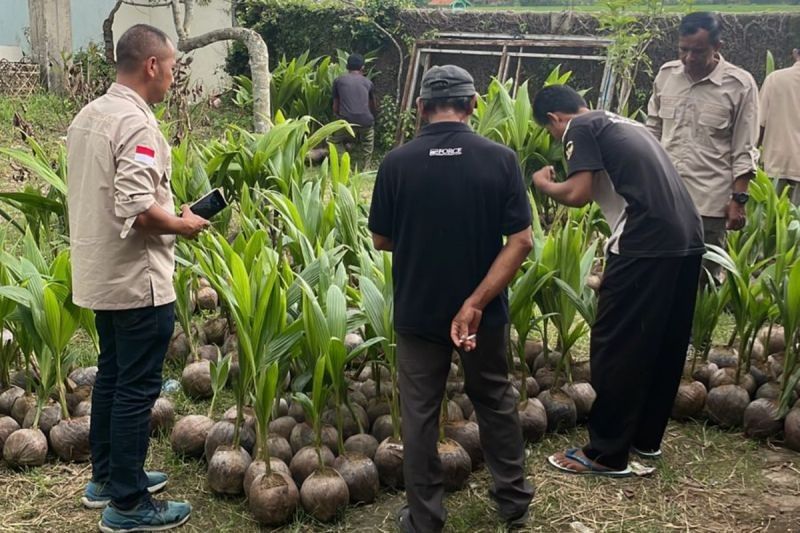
701, 20
355, 62
556, 99
137, 44
461, 104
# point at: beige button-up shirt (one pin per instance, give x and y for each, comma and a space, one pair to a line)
708, 127
119, 165
780, 118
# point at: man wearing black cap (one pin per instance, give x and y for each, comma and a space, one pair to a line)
354, 101
442, 204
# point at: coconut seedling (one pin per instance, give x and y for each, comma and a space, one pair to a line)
247, 275
786, 292
184, 344
750, 304
456, 461
377, 304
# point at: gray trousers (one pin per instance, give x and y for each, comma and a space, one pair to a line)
423, 368
715, 233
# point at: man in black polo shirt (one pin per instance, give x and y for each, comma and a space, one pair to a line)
442, 204
644, 316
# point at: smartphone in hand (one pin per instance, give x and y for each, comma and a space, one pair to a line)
210, 204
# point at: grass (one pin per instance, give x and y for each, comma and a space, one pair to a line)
599, 7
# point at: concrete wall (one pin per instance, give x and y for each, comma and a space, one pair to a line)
87, 26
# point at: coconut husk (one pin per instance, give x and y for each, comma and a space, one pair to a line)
773, 341
464, 403
758, 354
226, 470
84, 408
280, 448
296, 411
51, 415
70, 440
324, 494
727, 376
761, 419
581, 371
8, 426
532, 419
389, 461
362, 443
306, 461
84, 376
259, 467
562, 414
350, 425
454, 386
531, 387
369, 388
221, 434
248, 415
231, 344
723, 356
179, 347
376, 408
273, 499
282, 426
532, 350
467, 435
703, 372
352, 341
726, 405
357, 397
21, 379
196, 380
770, 391
759, 376
7, 399
791, 429
216, 330
207, 299
775, 366
367, 373
21, 406
545, 377
454, 412
593, 281
303, 435
188, 437
361, 476
80, 393
383, 428
456, 465
25, 447
689, 400
549, 360
583, 395
209, 352
162, 417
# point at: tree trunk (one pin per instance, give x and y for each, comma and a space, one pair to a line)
259, 66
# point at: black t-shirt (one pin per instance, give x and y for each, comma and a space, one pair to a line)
445, 200
641, 194
354, 92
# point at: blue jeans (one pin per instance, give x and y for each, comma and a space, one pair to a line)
133, 343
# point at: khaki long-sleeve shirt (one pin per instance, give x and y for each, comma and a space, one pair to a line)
780, 118
119, 165
708, 127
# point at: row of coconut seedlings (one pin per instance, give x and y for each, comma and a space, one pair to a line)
47, 411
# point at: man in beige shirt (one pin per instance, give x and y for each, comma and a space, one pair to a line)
780, 127
122, 234
704, 111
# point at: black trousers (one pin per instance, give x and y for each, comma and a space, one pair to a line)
423, 368
133, 343
638, 350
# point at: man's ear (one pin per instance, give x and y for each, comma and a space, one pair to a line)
718, 46
150, 65
420, 107
552, 118
473, 104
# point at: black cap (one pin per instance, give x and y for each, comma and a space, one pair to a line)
355, 62
447, 81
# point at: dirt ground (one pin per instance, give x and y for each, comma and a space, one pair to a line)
709, 481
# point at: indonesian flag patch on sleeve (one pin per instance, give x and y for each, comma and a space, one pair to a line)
145, 154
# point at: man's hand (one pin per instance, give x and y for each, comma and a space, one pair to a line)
465, 327
735, 216
543, 177
192, 224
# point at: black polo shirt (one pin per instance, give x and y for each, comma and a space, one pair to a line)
446, 199
636, 185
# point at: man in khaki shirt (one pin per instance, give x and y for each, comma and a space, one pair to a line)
122, 234
704, 111
780, 127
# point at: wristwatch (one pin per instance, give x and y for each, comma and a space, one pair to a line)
740, 198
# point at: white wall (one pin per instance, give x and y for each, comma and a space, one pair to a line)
208, 63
